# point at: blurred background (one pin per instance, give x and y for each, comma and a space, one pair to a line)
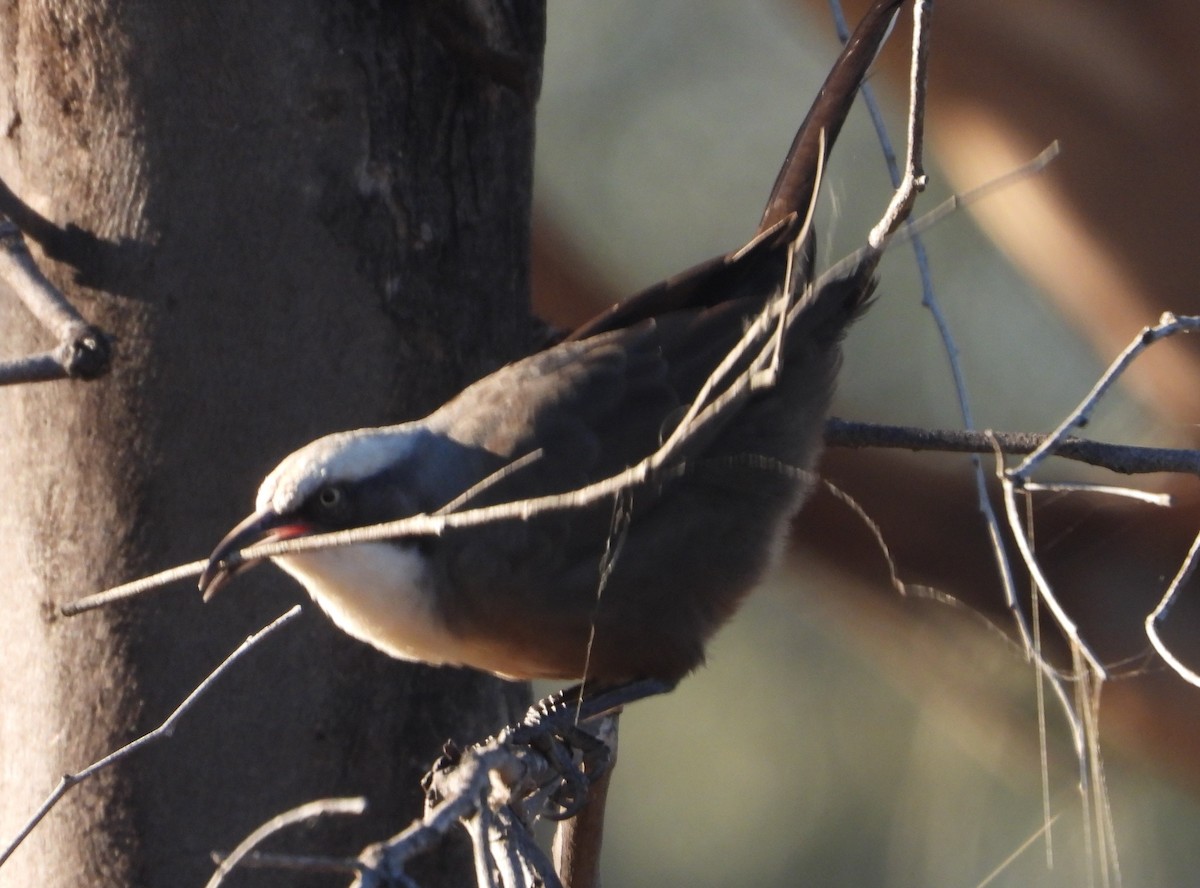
844, 734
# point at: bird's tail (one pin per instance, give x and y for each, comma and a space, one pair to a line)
785, 222
798, 178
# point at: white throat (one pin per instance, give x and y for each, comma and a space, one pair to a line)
380, 593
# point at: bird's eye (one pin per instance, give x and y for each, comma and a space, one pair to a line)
329, 497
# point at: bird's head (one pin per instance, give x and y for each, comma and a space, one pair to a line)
336, 482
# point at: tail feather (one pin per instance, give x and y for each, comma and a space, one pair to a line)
798, 177
784, 221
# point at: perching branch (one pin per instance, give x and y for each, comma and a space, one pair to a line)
82, 351
493, 774
497, 788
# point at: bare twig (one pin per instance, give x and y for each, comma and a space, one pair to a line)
1122, 458
163, 730
912, 231
384, 863
1168, 325
914, 228
132, 588
759, 335
304, 863
1090, 672
913, 181
1015, 479
82, 352
307, 811
478, 826
905, 191
520, 859
1163, 500
1025, 547
1164, 606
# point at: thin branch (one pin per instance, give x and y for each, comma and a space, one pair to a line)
1025, 547
1017, 478
478, 827
1162, 500
1164, 606
1122, 458
41, 367
305, 863
1168, 325
1018, 851
913, 229
307, 811
83, 351
905, 193
163, 730
384, 862
913, 181
758, 335
132, 588
521, 859
911, 232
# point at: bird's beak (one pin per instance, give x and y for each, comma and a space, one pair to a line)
258, 528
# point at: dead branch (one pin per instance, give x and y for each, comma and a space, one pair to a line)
307, 811
1160, 612
82, 351
498, 788
1167, 326
1125, 459
495, 774
913, 181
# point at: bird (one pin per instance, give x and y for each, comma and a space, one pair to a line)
627, 587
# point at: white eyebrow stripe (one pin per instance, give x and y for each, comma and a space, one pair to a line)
345, 456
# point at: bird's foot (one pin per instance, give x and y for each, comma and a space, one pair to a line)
553, 728
586, 701
561, 746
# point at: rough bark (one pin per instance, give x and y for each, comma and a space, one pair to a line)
295, 218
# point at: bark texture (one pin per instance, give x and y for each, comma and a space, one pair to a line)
295, 218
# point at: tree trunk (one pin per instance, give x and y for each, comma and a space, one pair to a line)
295, 218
